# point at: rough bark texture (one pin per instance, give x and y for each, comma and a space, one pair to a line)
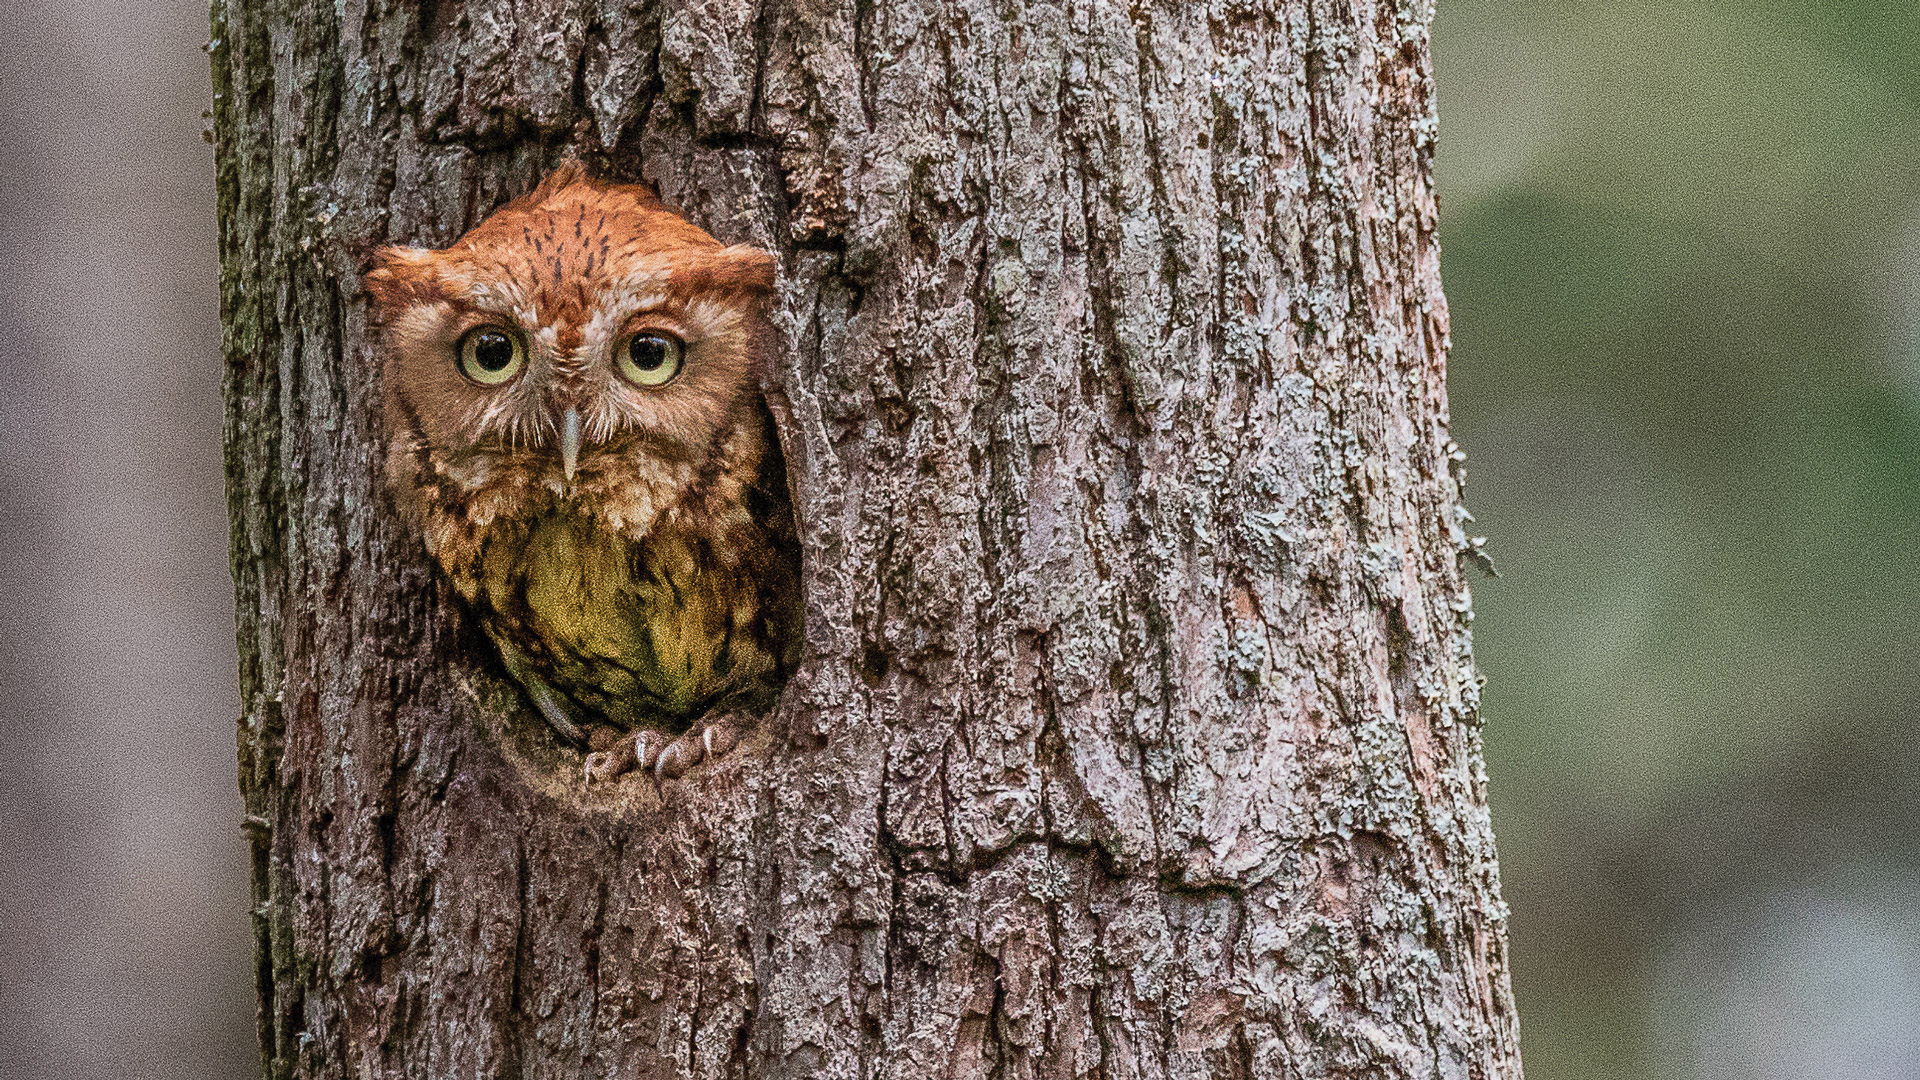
1137, 733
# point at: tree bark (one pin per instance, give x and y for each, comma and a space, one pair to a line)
1137, 732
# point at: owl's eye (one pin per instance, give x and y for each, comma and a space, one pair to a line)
491, 356
650, 358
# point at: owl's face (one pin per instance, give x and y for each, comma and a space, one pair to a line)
574, 329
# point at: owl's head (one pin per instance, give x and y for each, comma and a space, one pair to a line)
582, 323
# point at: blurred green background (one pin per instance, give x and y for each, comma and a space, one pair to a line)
1682, 254
1682, 248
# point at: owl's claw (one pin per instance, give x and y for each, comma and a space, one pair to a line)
665, 757
721, 737
606, 766
646, 748
714, 741
680, 755
708, 743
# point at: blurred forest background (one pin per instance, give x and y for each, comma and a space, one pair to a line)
1683, 255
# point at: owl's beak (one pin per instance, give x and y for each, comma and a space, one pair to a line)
570, 441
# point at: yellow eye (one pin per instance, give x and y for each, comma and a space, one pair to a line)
491, 356
650, 358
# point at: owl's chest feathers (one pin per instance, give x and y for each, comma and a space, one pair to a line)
639, 608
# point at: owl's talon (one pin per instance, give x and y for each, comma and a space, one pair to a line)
646, 749
720, 738
606, 766
709, 743
680, 755
662, 756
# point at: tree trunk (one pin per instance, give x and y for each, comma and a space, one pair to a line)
1137, 732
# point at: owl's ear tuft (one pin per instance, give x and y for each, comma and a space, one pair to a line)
739, 270
747, 269
564, 175
400, 276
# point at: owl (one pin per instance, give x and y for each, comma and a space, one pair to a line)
576, 426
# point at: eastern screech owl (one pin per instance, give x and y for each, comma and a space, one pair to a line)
576, 424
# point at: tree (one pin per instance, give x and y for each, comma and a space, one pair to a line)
1137, 733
